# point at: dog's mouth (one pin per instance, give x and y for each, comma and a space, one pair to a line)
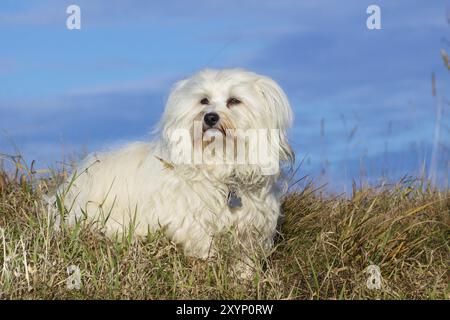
214, 130
223, 127
212, 133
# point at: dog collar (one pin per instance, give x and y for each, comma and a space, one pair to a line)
233, 200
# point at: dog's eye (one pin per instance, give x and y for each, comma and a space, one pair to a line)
232, 102
204, 101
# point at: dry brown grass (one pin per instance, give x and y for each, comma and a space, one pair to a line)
325, 245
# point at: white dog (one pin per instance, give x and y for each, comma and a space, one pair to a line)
181, 184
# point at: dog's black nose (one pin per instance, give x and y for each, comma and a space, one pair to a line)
211, 118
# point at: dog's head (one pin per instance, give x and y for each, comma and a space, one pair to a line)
228, 108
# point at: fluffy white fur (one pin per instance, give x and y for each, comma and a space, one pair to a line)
140, 184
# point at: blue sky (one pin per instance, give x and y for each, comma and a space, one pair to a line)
64, 92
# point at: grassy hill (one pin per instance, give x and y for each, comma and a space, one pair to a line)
325, 246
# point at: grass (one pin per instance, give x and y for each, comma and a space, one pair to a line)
325, 246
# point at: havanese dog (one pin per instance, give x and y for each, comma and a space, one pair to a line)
215, 166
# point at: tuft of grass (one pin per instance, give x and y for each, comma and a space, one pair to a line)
325, 245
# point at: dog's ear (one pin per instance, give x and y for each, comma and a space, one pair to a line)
178, 85
175, 93
276, 101
173, 100
280, 110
